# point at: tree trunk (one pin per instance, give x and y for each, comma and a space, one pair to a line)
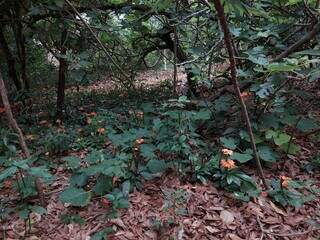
20, 40
13, 123
62, 77
181, 57
11, 62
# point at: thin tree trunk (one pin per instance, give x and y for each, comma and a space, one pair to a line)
11, 62
62, 77
13, 123
181, 57
22, 55
233, 72
175, 69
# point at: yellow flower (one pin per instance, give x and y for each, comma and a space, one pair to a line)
227, 164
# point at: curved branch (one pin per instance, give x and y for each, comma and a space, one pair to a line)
310, 35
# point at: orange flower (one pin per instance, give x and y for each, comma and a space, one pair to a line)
139, 141
2, 110
92, 114
105, 202
43, 122
139, 115
101, 130
245, 94
30, 137
7, 183
284, 181
89, 120
227, 152
136, 149
227, 164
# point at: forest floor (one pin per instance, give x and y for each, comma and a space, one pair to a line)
204, 213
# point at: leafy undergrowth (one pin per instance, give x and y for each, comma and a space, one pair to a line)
144, 167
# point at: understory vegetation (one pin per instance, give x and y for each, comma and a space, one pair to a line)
113, 94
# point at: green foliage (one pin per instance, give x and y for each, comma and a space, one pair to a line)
314, 164
290, 193
57, 142
68, 219
75, 197
234, 180
102, 235
129, 137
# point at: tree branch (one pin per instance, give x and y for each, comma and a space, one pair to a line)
310, 35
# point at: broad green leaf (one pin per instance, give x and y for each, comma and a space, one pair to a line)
156, 166
103, 185
72, 162
93, 157
307, 124
101, 235
281, 67
223, 103
271, 134
267, 154
281, 139
78, 179
24, 213
147, 151
245, 136
203, 115
41, 172
292, 149
8, 173
241, 157
75, 196
59, 3
38, 209
228, 142
270, 120
312, 52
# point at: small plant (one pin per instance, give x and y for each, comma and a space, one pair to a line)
7, 143
57, 142
314, 164
68, 219
119, 200
228, 176
289, 192
102, 235
175, 199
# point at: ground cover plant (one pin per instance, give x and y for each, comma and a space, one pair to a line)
159, 119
